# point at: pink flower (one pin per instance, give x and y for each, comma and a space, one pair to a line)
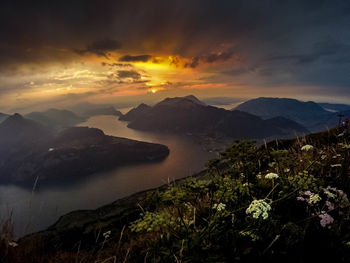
300, 198
330, 205
331, 188
308, 193
326, 219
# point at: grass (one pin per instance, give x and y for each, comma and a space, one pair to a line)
284, 201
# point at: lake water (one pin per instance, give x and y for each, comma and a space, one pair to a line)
34, 210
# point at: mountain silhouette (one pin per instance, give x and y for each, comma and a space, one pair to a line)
186, 115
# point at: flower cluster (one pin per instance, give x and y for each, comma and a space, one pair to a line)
219, 207
333, 192
307, 148
271, 176
259, 208
326, 219
310, 197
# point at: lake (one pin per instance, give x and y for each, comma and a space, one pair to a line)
36, 209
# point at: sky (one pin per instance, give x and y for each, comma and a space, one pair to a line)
58, 53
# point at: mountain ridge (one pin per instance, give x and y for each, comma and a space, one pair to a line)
55, 118
310, 114
186, 115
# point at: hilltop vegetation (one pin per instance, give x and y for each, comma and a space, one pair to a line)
285, 201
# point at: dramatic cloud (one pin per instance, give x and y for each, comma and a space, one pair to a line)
101, 47
108, 49
116, 64
129, 74
140, 58
210, 58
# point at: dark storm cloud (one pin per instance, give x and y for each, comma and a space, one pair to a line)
217, 57
291, 41
193, 64
122, 77
117, 64
101, 47
129, 74
140, 58
320, 50
210, 58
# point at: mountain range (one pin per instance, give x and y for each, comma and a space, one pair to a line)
188, 115
313, 116
87, 109
58, 118
55, 118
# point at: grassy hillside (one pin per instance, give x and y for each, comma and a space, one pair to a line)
283, 202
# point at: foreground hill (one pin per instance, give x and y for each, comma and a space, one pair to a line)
284, 202
311, 115
55, 118
29, 150
188, 116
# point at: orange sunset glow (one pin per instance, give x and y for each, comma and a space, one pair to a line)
236, 56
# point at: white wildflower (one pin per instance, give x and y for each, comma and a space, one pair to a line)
314, 198
336, 165
219, 207
13, 244
328, 193
271, 176
250, 234
51, 149
258, 208
107, 234
307, 148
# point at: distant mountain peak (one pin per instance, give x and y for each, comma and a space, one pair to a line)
143, 106
194, 99
16, 128
134, 112
183, 115
14, 118
176, 100
307, 113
